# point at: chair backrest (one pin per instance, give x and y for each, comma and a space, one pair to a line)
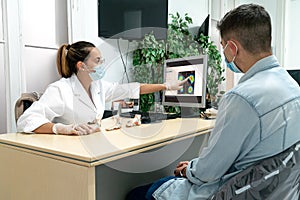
277, 177
25, 102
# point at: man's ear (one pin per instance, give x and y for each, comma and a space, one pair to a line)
234, 45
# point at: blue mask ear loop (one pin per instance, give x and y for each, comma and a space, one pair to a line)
231, 64
235, 51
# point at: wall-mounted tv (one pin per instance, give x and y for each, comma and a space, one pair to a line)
132, 19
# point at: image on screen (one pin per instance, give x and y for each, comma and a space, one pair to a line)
188, 87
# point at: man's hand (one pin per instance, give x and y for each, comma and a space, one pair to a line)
181, 169
80, 129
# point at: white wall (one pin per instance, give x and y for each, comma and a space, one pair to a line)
40, 65
45, 22
2, 91
1, 21
196, 9
2, 77
44, 30
292, 32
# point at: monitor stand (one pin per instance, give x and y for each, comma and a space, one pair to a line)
187, 112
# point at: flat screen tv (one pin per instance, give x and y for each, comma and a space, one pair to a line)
132, 19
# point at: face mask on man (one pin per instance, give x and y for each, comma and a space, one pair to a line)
231, 65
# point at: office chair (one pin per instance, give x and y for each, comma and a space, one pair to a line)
25, 102
273, 178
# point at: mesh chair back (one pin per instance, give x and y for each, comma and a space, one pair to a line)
277, 177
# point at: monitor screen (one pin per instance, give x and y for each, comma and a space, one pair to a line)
204, 28
132, 19
193, 92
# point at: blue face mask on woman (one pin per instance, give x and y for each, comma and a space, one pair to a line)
231, 65
98, 74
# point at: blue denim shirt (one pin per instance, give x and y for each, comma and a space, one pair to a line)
258, 118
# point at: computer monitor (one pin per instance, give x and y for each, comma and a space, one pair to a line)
193, 93
204, 28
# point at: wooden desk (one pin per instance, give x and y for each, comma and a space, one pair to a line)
103, 165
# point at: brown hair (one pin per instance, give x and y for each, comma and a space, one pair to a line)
250, 24
69, 55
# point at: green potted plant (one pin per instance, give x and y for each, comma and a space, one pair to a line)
148, 61
180, 42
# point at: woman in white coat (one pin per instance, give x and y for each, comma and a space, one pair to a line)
74, 105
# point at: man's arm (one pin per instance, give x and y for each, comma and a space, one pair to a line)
237, 123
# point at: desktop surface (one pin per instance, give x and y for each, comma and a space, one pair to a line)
105, 146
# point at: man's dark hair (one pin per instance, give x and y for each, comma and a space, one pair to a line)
249, 24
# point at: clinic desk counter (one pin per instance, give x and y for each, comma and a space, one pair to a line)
46, 166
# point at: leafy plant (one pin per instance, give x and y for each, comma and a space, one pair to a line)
180, 42
148, 62
149, 57
146, 102
215, 71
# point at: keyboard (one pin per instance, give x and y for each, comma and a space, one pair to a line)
148, 117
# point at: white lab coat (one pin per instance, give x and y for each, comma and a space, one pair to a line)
65, 101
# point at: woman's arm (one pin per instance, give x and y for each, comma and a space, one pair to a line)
150, 88
58, 128
45, 128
